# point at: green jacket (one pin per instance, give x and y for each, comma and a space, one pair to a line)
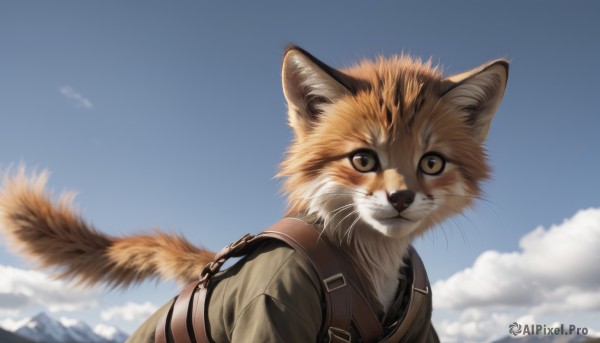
273, 295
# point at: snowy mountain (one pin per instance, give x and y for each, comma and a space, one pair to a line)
9, 337
45, 329
111, 333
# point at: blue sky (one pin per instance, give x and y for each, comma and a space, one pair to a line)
171, 114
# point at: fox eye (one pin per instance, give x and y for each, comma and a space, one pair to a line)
432, 164
364, 160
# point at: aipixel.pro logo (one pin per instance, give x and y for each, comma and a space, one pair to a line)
517, 329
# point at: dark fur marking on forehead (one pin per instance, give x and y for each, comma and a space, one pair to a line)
417, 105
398, 96
420, 100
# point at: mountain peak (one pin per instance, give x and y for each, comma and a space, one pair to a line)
43, 328
42, 316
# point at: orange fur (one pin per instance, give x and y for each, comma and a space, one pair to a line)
408, 89
53, 235
399, 109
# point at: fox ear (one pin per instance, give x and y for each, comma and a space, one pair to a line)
478, 93
308, 84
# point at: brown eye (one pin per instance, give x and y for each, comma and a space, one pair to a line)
432, 164
364, 161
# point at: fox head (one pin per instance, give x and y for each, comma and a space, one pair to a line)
386, 146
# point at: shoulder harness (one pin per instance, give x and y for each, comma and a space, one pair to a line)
185, 322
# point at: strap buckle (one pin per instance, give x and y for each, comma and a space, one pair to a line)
221, 257
422, 291
337, 335
334, 282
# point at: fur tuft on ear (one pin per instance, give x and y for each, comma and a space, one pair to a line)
478, 93
308, 84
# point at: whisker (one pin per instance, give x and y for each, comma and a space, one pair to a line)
460, 229
341, 221
350, 229
333, 193
343, 207
468, 196
338, 210
445, 237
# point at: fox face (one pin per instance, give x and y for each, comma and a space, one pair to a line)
388, 146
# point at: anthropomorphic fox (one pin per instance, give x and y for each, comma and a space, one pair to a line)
382, 152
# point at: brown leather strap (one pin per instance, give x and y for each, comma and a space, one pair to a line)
307, 241
364, 318
184, 321
344, 302
160, 335
181, 319
419, 292
199, 317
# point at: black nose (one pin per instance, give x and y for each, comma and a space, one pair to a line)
401, 199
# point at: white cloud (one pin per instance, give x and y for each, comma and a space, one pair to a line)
473, 325
129, 312
68, 322
12, 325
20, 289
79, 99
556, 273
105, 331
558, 267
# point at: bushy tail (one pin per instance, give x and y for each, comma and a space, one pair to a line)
55, 236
